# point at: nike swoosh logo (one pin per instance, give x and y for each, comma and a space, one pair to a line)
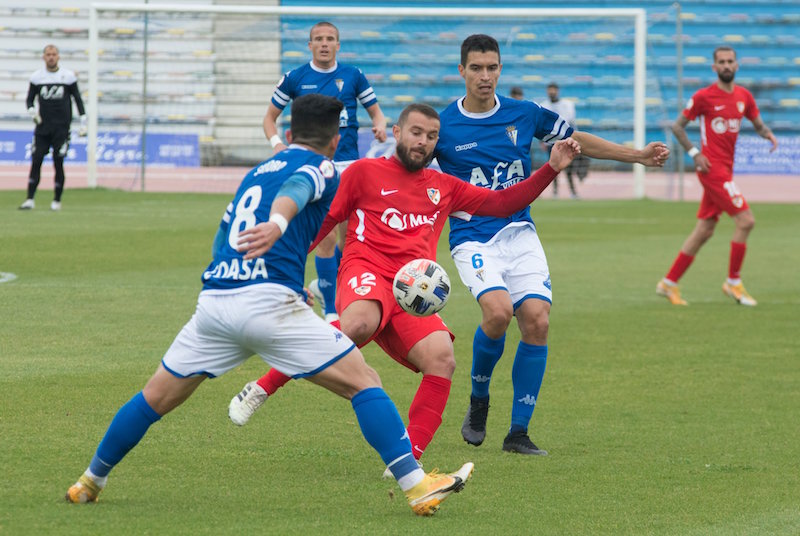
388, 192
718, 108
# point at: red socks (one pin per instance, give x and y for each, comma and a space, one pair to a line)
425, 413
738, 250
272, 381
681, 264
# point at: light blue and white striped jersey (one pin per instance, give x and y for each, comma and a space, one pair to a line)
344, 82
285, 263
492, 150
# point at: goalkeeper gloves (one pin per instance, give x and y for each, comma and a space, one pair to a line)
82, 130
35, 115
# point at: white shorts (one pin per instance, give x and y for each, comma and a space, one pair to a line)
513, 261
265, 319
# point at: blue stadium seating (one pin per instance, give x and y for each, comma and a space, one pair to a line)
594, 66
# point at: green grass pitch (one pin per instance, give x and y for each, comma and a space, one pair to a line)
658, 420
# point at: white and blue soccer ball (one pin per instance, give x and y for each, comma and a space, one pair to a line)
421, 287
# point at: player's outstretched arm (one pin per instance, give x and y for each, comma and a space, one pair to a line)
654, 154
503, 203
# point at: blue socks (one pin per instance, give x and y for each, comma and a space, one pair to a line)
526, 377
126, 429
384, 430
327, 267
486, 353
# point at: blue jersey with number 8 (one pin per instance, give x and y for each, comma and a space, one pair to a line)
285, 262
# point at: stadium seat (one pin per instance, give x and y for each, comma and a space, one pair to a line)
605, 36
526, 36
733, 38
534, 57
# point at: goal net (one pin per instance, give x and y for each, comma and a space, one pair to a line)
184, 88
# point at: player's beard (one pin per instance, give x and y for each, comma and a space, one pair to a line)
726, 77
404, 155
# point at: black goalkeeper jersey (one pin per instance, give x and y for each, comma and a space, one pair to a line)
54, 90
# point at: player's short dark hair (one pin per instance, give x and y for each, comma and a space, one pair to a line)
723, 48
424, 109
478, 43
552, 84
49, 46
516, 90
323, 23
315, 119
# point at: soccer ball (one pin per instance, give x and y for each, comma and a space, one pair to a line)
421, 287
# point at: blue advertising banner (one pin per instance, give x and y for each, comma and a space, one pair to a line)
113, 148
753, 156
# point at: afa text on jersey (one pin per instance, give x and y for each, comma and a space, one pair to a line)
248, 270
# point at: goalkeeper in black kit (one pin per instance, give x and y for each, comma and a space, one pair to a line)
55, 88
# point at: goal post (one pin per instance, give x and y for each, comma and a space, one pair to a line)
101, 35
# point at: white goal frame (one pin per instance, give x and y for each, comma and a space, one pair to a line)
637, 14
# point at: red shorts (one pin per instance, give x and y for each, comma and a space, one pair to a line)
720, 194
398, 331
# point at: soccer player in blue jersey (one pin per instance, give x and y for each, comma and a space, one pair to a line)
323, 74
252, 303
485, 139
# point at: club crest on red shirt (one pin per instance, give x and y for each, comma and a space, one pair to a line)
434, 195
740, 107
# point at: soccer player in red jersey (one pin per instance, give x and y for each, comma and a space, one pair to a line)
395, 210
720, 108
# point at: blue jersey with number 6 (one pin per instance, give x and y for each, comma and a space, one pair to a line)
492, 150
285, 262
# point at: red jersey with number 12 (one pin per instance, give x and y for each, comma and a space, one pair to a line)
393, 215
720, 115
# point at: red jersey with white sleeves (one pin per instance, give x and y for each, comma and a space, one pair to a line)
720, 116
393, 215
